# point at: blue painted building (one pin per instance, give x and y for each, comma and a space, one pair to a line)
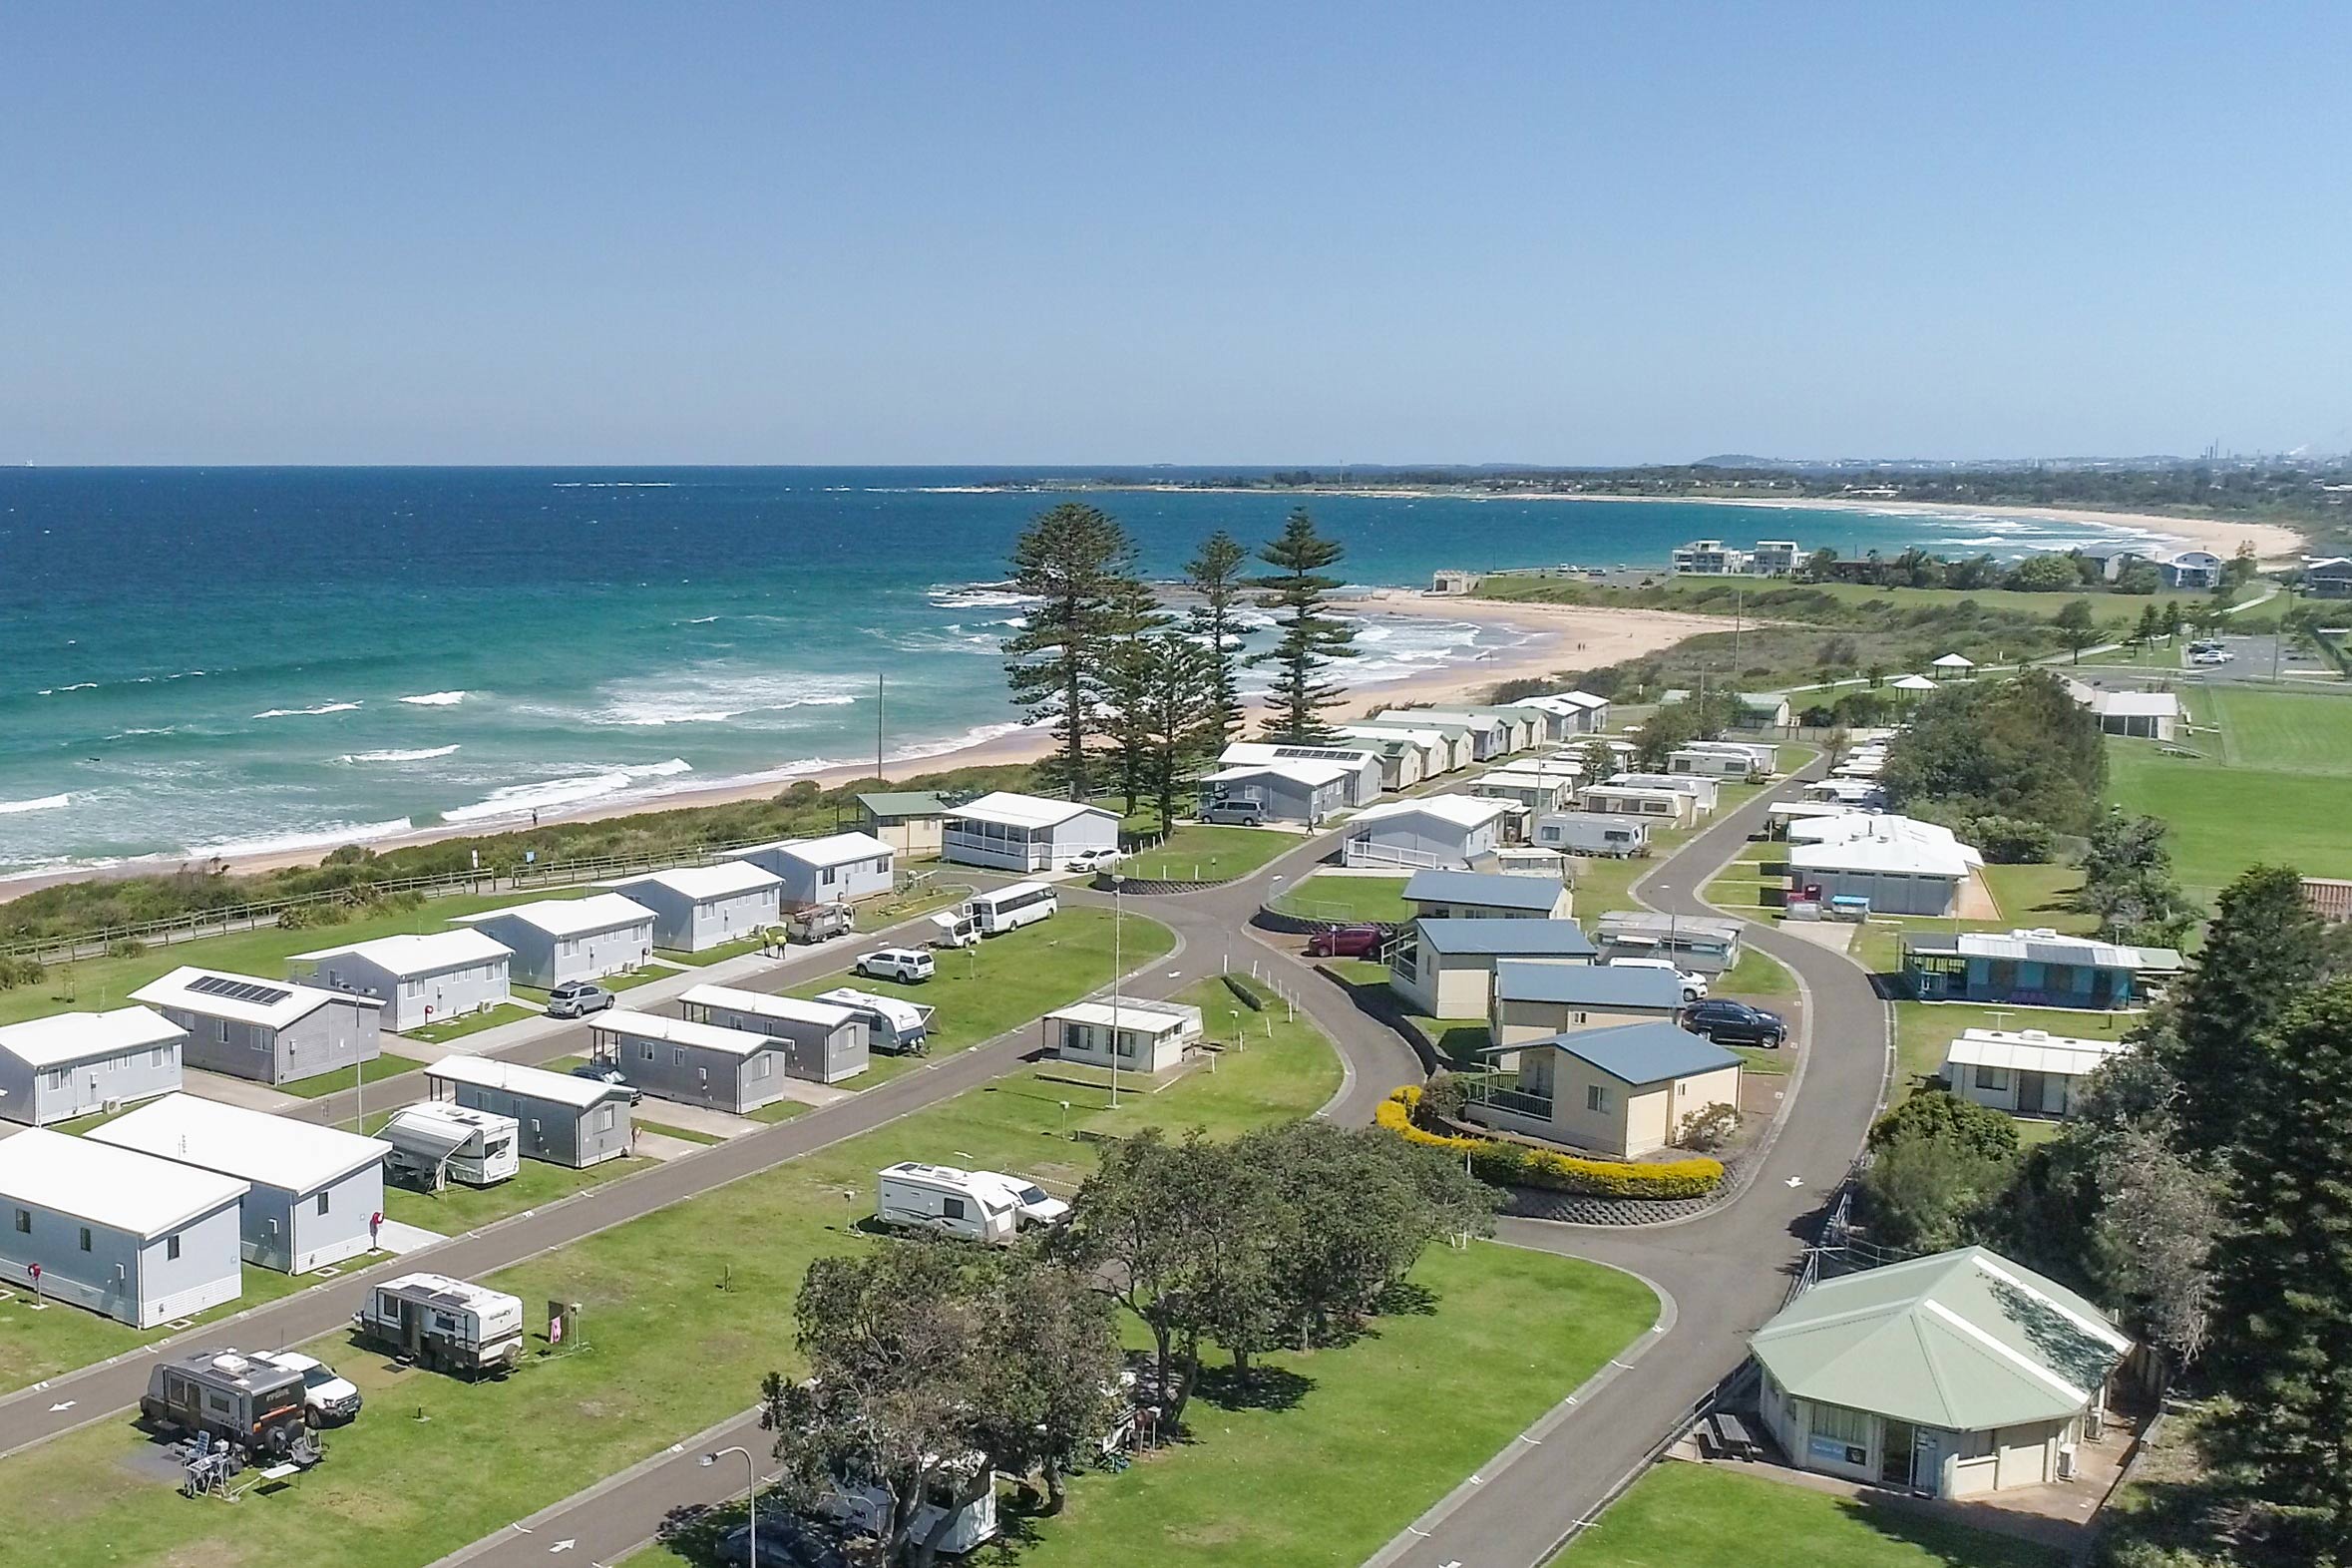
2033, 969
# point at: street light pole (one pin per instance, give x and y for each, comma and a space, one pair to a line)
751, 1492
1118, 967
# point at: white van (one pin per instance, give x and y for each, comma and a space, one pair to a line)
1010, 908
1694, 985
951, 1201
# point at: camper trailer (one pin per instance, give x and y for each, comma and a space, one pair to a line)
433, 1144
947, 1201
956, 928
1593, 833
447, 1325
865, 1510
258, 1410
893, 1025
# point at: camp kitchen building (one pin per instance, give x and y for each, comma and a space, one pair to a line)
559, 1118
697, 908
314, 1192
272, 1031
420, 979
141, 1240
72, 1064
559, 939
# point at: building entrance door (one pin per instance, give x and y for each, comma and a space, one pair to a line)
2033, 1089
1896, 1440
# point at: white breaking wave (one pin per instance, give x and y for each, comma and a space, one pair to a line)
980, 595
437, 699
79, 685
333, 836
45, 803
520, 800
715, 697
324, 707
425, 754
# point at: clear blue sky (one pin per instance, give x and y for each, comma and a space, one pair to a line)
1249, 233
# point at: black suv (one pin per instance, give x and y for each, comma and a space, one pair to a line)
1729, 1023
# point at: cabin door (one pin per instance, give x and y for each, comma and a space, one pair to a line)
1896, 1440
2033, 1094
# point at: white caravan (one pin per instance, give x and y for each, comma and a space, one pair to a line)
893, 1024
941, 1198
433, 1143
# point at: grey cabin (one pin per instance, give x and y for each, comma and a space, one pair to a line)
822, 1042
697, 908
840, 868
420, 979
272, 1031
692, 1064
559, 1118
72, 1064
559, 939
129, 1236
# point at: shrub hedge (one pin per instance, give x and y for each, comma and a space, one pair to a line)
1515, 1165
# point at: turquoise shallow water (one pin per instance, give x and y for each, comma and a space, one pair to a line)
248, 658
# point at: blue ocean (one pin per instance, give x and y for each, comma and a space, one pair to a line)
239, 660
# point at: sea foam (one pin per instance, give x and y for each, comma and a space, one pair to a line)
437, 699
45, 803
424, 754
521, 800
324, 707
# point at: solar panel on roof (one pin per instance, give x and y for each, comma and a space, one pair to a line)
239, 990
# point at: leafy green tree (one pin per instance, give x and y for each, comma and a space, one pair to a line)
1875, 675
2283, 1337
1216, 575
1663, 732
1937, 1113
2172, 621
2151, 626
2008, 748
2158, 1217
1168, 700
1078, 562
2045, 573
1309, 637
1135, 620
2128, 882
2263, 948
1052, 1369
1933, 1192
2076, 625
1598, 760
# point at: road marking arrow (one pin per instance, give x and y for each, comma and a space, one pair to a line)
63, 1404
563, 1546
1796, 1181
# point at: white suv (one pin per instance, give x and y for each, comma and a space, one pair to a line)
327, 1401
904, 965
1694, 985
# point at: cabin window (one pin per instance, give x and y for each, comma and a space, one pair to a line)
644, 1051
603, 1118
154, 1057
24, 1222
322, 1201
85, 1238
1993, 1078
826, 876
171, 1248
1839, 1425
1596, 1097
677, 1056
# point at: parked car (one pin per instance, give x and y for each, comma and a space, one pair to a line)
1097, 858
1346, 942
578, 998
1694, 985
1729, 1023
605, 1072
784, 1542
328, 1400
1235, 813
906, 965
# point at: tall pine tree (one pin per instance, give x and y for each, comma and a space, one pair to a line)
1309, 637
1171, 707
1135, 620
2262, 950
1076, 561
2282, 1343
1216, 576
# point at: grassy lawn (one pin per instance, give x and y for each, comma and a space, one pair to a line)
1198, 853
1008, 980
1764, 1063
612, 982
687, 1308
1923, 1030
780, 1110
96, 984
58, 1339
1348, 899
1742, 885
1693, 1516
456, 1208
472, 1023
388, 1065
717, 955
2040, 895
1755, 975
682, 1134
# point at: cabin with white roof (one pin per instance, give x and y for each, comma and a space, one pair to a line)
1134, 1036
74, 1063
1026, 833
822, 1042
839, 868
1705, 790
271, 1032
562, 1119
129, 1236
1903, 866
697, 908
2025, 1073
1450, 832
420, 979
1305, 792
314, 1194
559, 939
1543, 787
1568, 714
724, 1069
1367, 770
2152, 715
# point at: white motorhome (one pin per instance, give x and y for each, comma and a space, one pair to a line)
451, 1325
1008, 909
893, 1024
941, 1198
433, 1143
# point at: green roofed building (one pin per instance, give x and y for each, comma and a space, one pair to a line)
909, 821
1954, 1375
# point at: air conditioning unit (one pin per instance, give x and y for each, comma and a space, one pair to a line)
112, 1107
2065, 1464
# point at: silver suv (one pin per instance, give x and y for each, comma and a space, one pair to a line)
578, 998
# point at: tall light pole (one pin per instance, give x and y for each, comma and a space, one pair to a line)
750, 1493
1118, 967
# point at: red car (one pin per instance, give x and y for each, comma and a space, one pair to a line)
1346, 942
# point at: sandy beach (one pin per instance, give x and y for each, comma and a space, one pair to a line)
1551, 638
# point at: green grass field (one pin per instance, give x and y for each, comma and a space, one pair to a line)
57, 1338
96, 984
472, 1023
390, 1064
1195, 852
1755, 975
1924, 1028
1693, 1516
1325, 896
686, 1309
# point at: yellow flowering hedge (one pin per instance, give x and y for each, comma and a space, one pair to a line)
1516, 1165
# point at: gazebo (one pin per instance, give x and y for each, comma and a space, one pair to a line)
1914, 683
1954, 664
